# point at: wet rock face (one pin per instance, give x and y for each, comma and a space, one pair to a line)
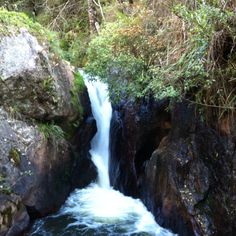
33, 82
188, 182
84, 171
136, 130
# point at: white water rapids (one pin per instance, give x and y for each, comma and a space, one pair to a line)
99, 209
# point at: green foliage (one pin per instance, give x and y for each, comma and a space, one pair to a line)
190, 52
4, 188
204, 20
117, 58
77, 88
209, 55
69, 19
14, 156
11, 22
48, 84
51, 130
74, 48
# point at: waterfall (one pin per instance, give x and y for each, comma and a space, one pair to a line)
102, 111
99, 209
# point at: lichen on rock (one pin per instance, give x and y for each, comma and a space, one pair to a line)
33, 81
18, 54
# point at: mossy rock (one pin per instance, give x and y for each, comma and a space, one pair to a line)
12, 22
77, 88
14, 156
4, 188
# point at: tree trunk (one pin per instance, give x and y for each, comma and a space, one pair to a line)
92, 17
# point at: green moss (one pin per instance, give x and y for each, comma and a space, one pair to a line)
14, 155
11, 22
48, 85
77, 88
4, 188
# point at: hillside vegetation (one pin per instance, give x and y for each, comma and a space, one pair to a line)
170, 49
176, 49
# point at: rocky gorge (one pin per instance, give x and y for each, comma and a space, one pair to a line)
182, 167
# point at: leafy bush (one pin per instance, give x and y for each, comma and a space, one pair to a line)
189, 53
119, 54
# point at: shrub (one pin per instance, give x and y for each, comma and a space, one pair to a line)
119, 56
51, 130
187, 54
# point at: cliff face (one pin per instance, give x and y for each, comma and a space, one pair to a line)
38, 168
181, 168
136, 130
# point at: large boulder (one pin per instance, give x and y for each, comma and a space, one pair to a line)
34, 173
33, 81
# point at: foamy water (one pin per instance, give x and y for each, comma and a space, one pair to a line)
99, 209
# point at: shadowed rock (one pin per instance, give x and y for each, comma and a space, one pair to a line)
186, 177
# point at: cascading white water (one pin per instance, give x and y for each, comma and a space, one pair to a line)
99, 209
102, 111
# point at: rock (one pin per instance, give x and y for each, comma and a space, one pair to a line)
136, 130
13, 215
188, 182
84, 171
37, 89
32, 81
39, 181
8, 207
45, 171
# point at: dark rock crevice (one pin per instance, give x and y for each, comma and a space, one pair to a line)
136, 131
149, 142
83, 170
